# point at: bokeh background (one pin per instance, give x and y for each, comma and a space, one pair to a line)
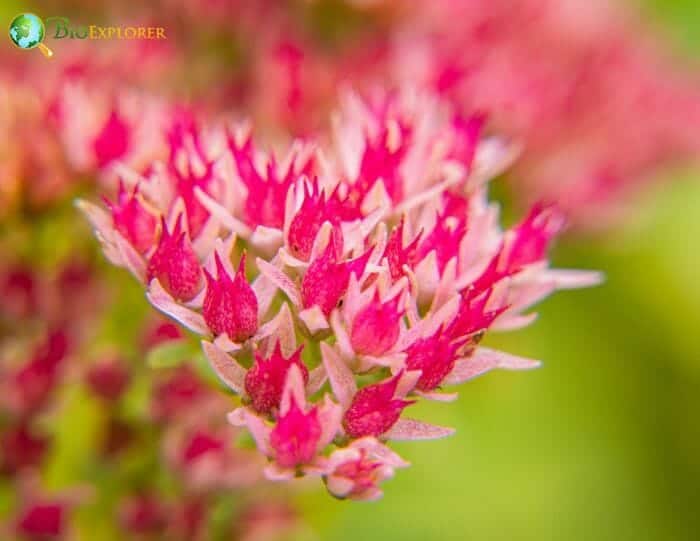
601, 443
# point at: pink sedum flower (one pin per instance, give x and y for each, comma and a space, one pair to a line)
265, 379
376, 328
434, 356
294, 440
377, 254
133, 220
356, 471
374, 409
230, 305
175, 264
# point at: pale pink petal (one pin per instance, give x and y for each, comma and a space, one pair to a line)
281, 328
166, 304
280, 279
104, 230
329, 415
342, 340
407, 382
224, 343
293, 387
321, 240
257, 427
377, 200
265, 291
339, 486
131, 259
427, 278
229, 371
314, 319
378, 450
438, 397
267, 239
220, 213
341, 378
485, 359
512, 322
410, 429
426, 195
317, 377
204, 242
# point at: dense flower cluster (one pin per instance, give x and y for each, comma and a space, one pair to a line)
337, 285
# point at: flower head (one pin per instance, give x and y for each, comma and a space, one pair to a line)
175, 264
375, 328
356, 471
385, 269
230, 305
374, 409
265, 379
295, 438
133, 220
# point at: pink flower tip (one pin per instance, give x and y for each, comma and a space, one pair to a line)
374, 409
175, 264
230, 305
265, 380
295, 438
376, 328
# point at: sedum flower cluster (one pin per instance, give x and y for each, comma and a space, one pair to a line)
340, 280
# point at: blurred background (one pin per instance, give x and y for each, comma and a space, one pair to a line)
603, 442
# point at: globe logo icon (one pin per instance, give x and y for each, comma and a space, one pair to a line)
27, 32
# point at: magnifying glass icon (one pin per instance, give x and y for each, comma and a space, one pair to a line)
27, 31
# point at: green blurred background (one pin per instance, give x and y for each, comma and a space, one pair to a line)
602, 443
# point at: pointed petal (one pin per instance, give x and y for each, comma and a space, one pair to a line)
160, 298
340, 376
267, 239
329, 415
257, 427
229, 371
224, 343
280, 279
314, 319
438, 397
131, 259
317, 377
410, 429
293, 387
484, 360
281, 327
223, 215
342, 340
512, 322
